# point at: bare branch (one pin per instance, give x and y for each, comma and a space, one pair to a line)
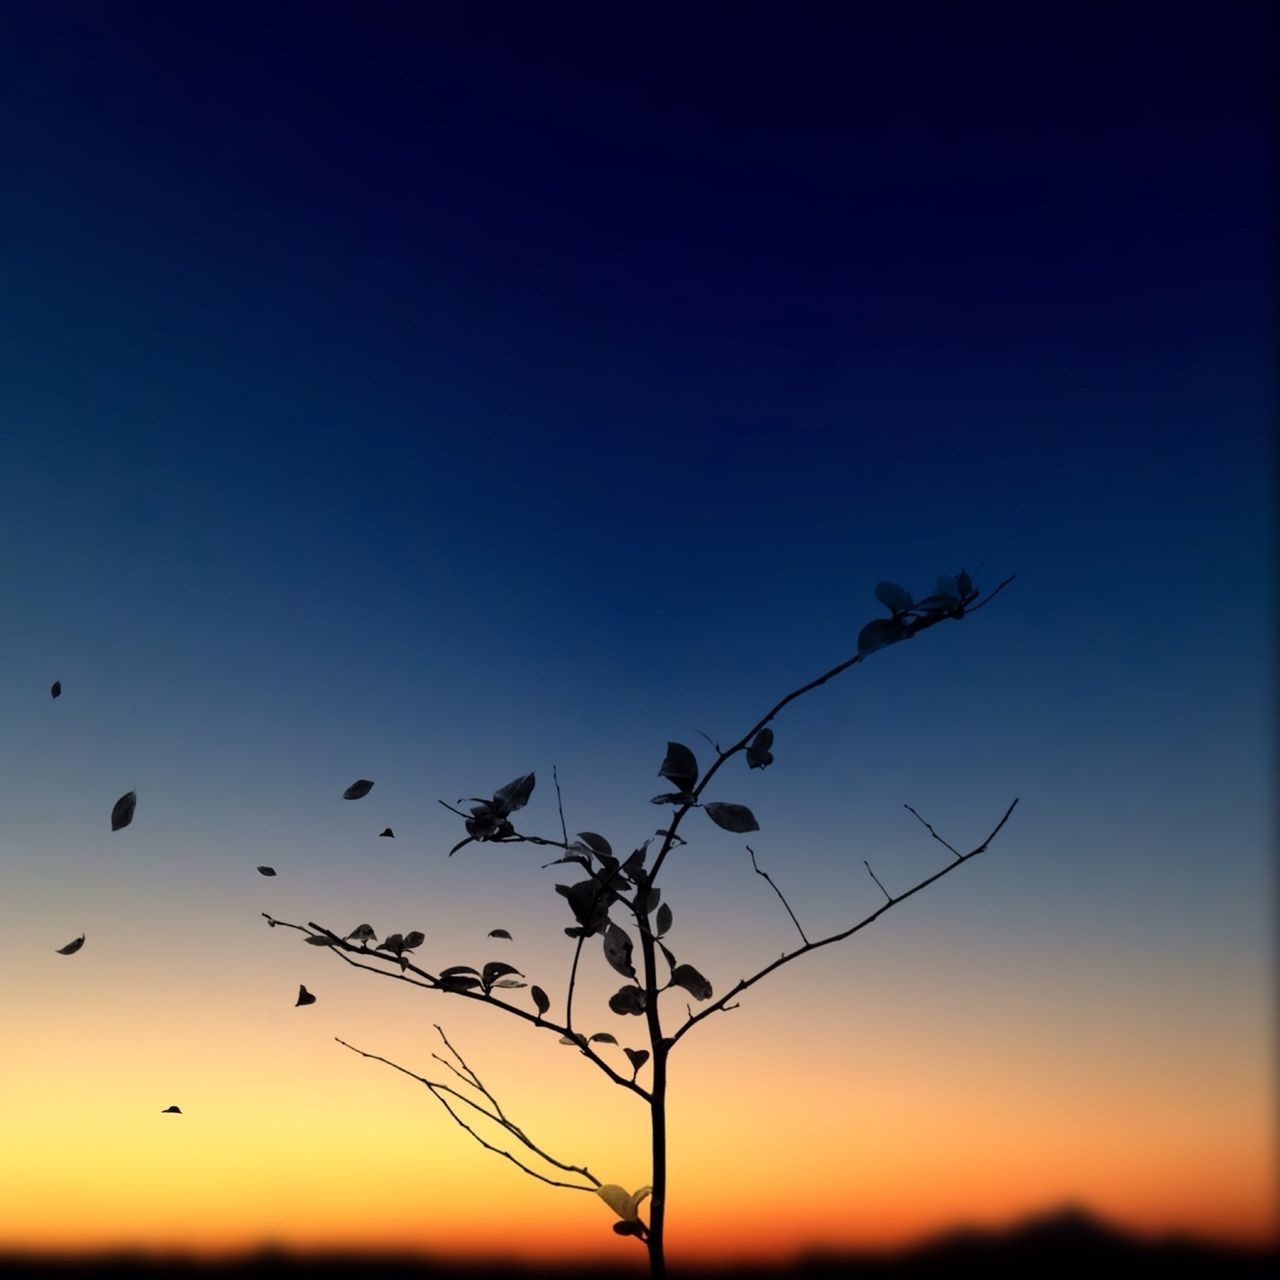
573, 977
930, 830
776, 890
443, 1092
564, 831
744, 983
876, 878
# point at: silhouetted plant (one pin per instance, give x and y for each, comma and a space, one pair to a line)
613, 889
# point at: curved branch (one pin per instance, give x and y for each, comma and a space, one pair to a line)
788, 956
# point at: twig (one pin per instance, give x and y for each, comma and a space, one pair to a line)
744, 983
876, 878
564, 831
931, 831
776, 890
573, 977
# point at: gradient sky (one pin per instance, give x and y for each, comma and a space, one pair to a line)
437, 393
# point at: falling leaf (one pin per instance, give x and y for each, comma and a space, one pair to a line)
72, 947
55, 689
361, 933
266, 871
540, 1000
304, 997
679, 766
358, 789
499, 933
122, 810
686, 976
177, 1111
386, 831
732, 817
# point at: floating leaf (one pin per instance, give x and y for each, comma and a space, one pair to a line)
878, 633
496, 969
176, 1111
515, 795
55, 689
664, 919
679, 767
627, 1000
304, 997
414, 939
499, 933
759, 756
617, 950
361, 933
603, 1037
894, 598
638, 1057
540, 1000
358, 789
686, 976
387, 832
266, 871
122, 810
72, 947
596, 843
732, 817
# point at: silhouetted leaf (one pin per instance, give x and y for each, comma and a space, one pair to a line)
515, 795
672, 797
358, 789
540, 1000
176, 1111
686, 976
266, 871
577, 1040
499, 933
460, 982
509, 983
894, 598
589, 904
638, 1057
732, 817
947, 586
635, 861
387, 832
627, 1000
393, 942
679, 767
455, 970
964, 583
602, 1037
878, 633
759, 756
624, 1228
617, 950
319, 939
667, 954
72, 947
596, 843
649, 902
304, 997
496, 969
55, 689
664, 919
414, 939
122, 810
361, 933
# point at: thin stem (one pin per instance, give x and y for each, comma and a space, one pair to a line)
776, 890
931, 831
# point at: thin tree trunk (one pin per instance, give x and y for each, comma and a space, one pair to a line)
658, 1203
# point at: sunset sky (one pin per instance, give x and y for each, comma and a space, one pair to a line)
437, 393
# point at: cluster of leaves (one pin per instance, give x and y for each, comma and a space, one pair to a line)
491, 819
949, 599
680, 767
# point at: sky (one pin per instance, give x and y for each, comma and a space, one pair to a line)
435, 394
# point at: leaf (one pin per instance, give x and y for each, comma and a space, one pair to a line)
964, 584
602, 1037
650, 901
666, 951
387, 832
664, 919
621, 1228
358, 789
596, 843
72, 947
635, 861
758, 754
496, 969
176, 1111
686, 976
319, 940
947, 586
638, 1057
499, 933
122, 810
55, 689
732, 817
460, 983
454, 970
304, 997
266, 871
878, 633
627, 1000
394, 942
414, 939
361, 933
510, 983
672, 797
617, 950
515, 795
679, 767
894, 598
540, 1000
626, 1204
